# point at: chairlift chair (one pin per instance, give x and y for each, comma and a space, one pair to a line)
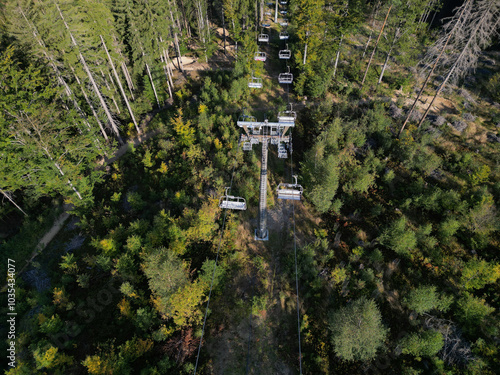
285, 77
287, 116
267, 13
265, 25
283, 12
282, 154
247, 118
231, 202
283, 2
290, 191
283, 35
284, 22
263, 38
285, 54
255, 83
260, 56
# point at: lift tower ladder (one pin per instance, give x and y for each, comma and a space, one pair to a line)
265, 132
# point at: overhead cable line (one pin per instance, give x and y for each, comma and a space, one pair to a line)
215, 265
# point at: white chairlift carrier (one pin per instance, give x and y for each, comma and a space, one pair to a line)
232, 203
287, 116
283, 2
255, 83
260, 56
290, 191
263, 38
284, 22
285, 77
283, 36
285, 54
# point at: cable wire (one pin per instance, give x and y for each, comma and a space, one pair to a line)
296, 272
215, 265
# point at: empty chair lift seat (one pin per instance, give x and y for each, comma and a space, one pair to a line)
287, 116
289, 191
284, 22
232, 203
285, 78
260, 56
285, 54
283, 36
283, 2
283, 12
255, 83
263, 38
266, 25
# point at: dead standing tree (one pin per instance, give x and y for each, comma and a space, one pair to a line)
467, 34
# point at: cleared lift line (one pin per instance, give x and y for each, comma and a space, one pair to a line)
264, 132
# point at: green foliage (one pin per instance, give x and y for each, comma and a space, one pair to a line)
357, 330
427, 343
471, 311
478, 272
426, 298
399, 238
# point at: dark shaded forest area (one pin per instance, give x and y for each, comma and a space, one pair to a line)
119, 136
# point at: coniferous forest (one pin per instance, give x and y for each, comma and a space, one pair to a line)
143, 228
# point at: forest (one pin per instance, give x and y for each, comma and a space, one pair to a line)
124, 126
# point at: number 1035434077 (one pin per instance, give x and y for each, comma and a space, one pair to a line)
11, 281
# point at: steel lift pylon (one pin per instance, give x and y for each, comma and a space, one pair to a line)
265, 132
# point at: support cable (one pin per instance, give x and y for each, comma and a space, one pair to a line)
296, 272
215, 265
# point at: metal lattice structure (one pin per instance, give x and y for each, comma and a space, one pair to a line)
266, 132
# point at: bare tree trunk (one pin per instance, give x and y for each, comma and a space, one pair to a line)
376, 45
338, 56
91, 78
128, 79
465, 51
305, 54
167, 68
7, 195
152, 84
90, 105
394, 39
375, 11
452, 31
224, 30
120, 86
176, 41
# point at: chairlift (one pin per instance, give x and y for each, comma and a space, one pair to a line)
284, 22
231, 202
263, 38
283, 2
247, 118
285, 77
287, 116
283, 35
290, 191
283, 12
260, 56
268, 13
265, 25
282, 154
285, 54
255, 83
